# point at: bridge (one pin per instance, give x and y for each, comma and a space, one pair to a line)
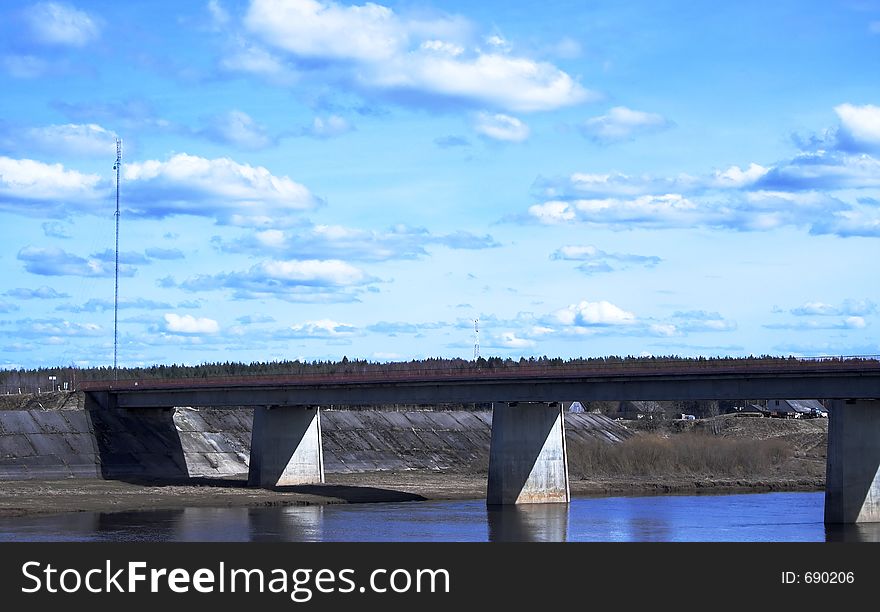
527, 458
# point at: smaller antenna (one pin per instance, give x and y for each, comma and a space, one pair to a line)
476, 338
117, 166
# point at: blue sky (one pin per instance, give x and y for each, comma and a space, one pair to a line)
306, 179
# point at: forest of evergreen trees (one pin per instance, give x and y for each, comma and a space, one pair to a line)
30, 380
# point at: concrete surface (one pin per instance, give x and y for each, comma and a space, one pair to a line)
286, 447
527, 459
852, 486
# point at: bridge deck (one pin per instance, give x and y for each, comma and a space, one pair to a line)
845, 379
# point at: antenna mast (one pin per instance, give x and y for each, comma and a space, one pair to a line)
117, 166
476, 338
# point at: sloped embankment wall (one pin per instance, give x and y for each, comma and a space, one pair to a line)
183, 443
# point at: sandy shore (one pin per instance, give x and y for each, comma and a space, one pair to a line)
42, 497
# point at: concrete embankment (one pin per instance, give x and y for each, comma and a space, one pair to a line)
55, 436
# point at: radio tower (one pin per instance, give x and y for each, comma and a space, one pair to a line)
476, 339
117, 166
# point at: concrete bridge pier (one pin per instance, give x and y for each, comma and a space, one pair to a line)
286, 447
852, 478
527, 458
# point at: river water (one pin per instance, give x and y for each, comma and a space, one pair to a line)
771, 517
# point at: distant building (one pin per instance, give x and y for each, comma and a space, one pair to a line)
576, 407
755, 410
798, 409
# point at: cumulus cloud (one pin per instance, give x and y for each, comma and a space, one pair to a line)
221, 189
328, 127
48, 330
621, 123
501, 127
587, 314
81, 140
848, 307
323, 328
248, 58
58, 262
41, 293
812, 190
594, 260
701, 321
385, 51
25, 184
228, 191
238, 129
57, 23
188, 324
291, 280
852, 322
509, 340
859, 125
102, 305
55, 229
335, 241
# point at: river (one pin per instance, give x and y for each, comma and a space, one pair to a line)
772, 517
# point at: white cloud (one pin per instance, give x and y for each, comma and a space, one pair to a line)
188, 324
861, 124
594, 260
552, 212
511, 340
848, 307
329, 272
26, 179
219, 15
855, 322
340, 242
253, 59
501, 127
60, 24
512, 83
238, 129
234, 193
735, 177
328, 127
315, 29
576, 252
24, 66
58, 262
440, 46
389, 52
621, 123
323, 328
289, 280
90, 140
585, 314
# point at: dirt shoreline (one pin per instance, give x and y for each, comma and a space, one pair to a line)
32, 497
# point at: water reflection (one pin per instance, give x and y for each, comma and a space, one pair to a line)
289, 524
528, 523
860, 532
770, 517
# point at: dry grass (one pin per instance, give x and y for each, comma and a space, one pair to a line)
682, 454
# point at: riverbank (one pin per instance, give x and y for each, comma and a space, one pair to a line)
33, 497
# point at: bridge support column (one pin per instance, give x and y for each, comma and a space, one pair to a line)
852, 478
527, 458
286, 447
